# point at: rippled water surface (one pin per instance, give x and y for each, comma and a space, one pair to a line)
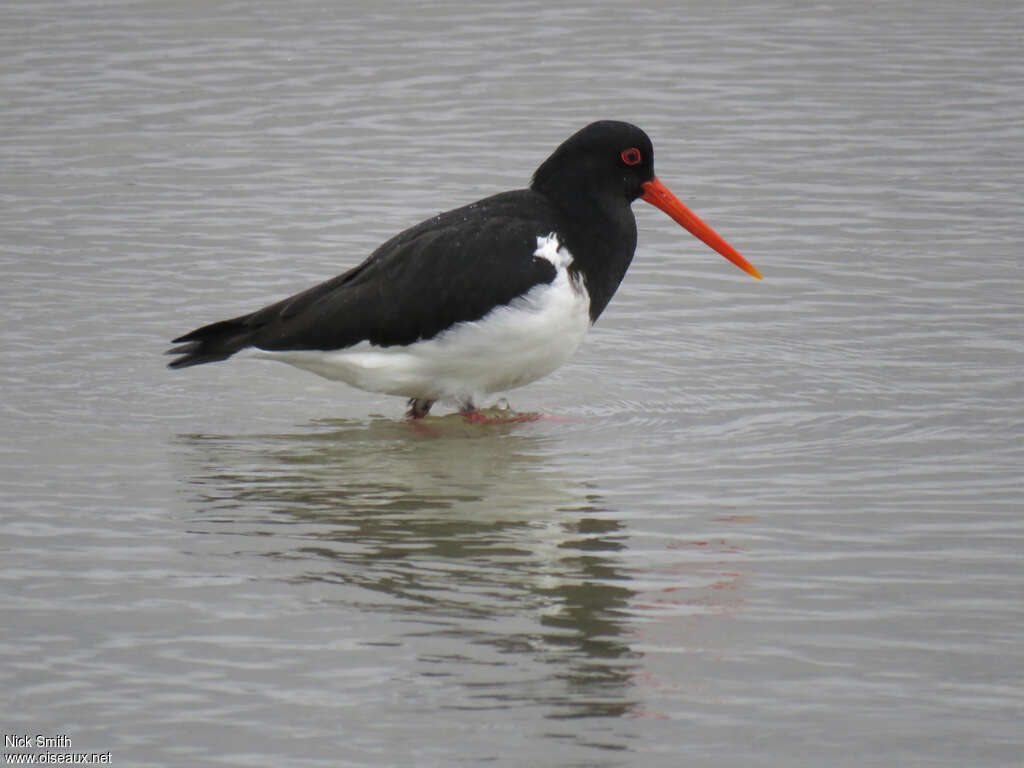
774, 523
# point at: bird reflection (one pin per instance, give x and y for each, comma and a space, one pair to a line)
475, 537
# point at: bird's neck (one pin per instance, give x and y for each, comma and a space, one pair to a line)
601, 236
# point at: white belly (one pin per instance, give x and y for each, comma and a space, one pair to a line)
512, 345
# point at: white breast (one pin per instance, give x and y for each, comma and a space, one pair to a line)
512, 345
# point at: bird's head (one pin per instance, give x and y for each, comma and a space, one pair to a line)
611, 163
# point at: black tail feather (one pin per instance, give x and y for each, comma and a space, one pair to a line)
217, 341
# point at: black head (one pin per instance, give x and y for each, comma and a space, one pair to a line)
603, 169
608, 160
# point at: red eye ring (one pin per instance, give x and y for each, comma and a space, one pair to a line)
631, 156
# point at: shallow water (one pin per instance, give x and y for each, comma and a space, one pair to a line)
775, 523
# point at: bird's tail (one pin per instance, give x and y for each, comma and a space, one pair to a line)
213, 342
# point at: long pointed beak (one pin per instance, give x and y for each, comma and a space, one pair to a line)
658, 195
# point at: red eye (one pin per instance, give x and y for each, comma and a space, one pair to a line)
631, 156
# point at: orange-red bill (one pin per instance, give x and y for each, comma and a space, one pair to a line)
658, 195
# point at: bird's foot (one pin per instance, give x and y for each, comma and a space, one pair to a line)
480, 417
502, 413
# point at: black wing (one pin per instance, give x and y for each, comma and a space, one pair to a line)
452, 268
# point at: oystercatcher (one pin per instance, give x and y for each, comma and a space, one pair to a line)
477, 300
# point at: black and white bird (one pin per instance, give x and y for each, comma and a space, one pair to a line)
477, 300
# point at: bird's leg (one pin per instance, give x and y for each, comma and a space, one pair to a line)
418, 407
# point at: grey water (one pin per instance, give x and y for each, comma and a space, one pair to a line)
775, 523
